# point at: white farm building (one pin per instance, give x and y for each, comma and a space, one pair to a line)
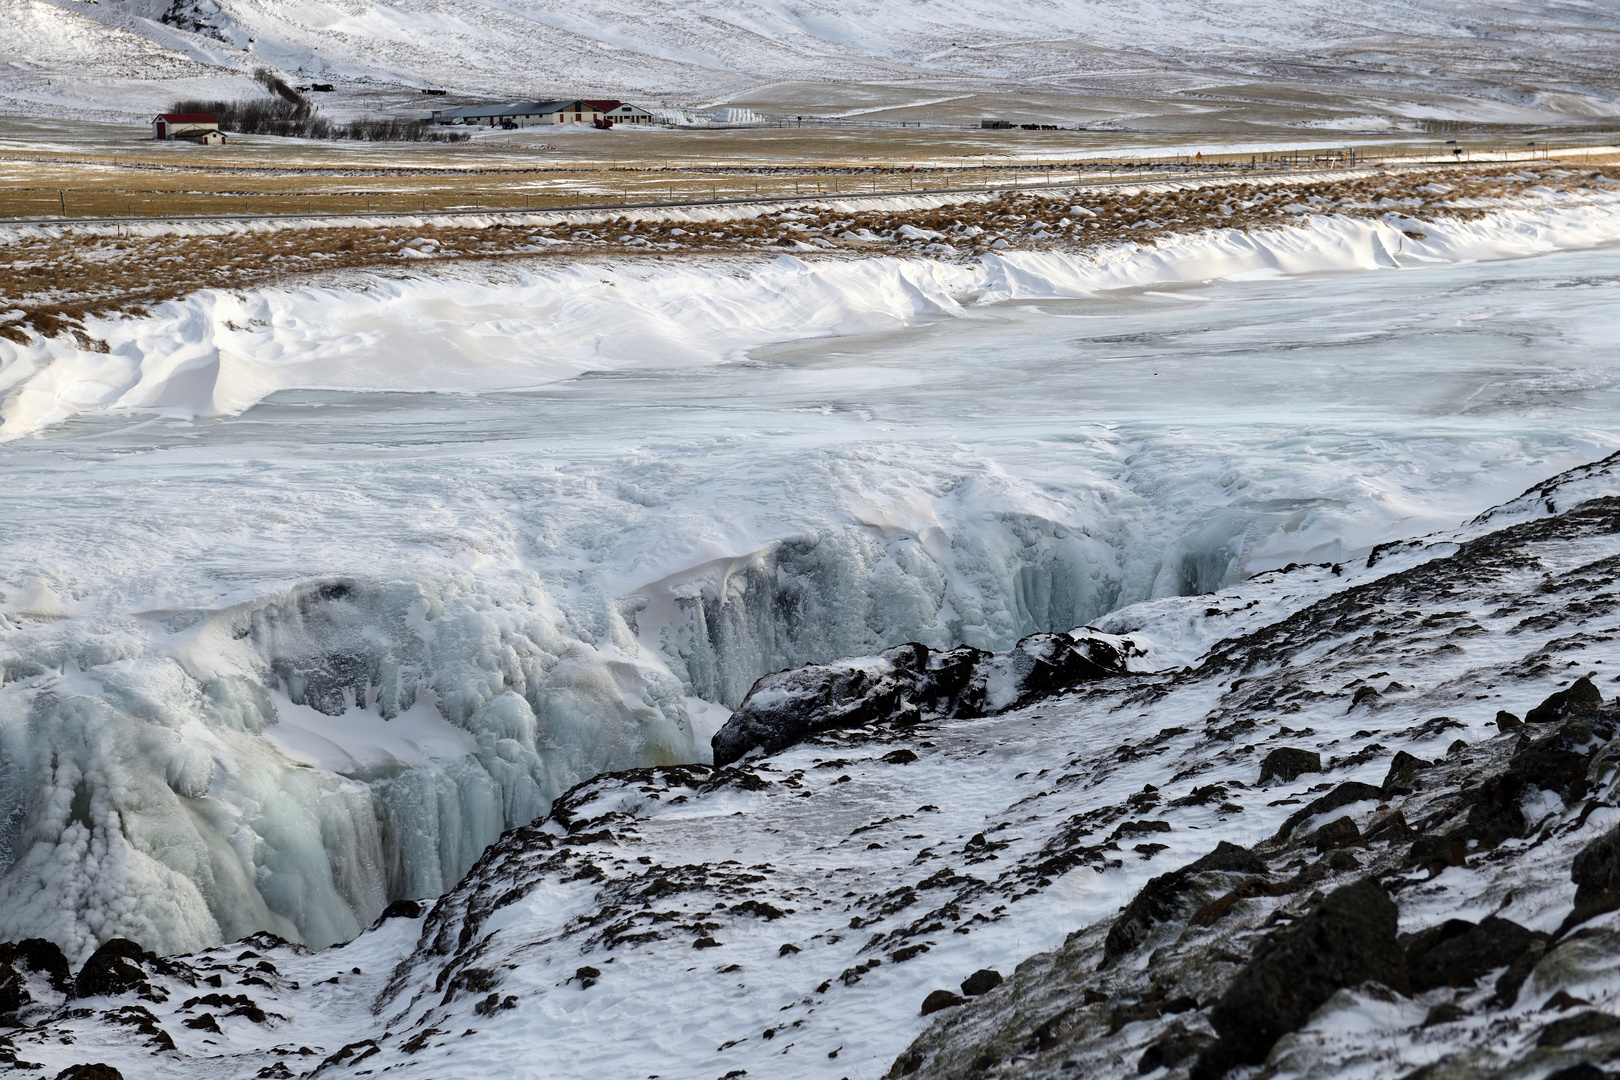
190, 127
519, 114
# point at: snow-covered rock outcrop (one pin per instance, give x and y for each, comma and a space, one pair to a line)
908, 684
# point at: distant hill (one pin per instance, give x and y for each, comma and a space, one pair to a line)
120, 57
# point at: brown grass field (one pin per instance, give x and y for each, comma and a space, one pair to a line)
119, 171
53, 276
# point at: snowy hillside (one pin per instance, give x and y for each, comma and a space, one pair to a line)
1550, 58
1393, 756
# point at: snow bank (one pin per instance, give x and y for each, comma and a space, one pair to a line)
217, 353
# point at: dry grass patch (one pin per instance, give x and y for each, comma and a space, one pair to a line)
50, 285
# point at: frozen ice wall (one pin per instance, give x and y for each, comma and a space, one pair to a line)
294, 763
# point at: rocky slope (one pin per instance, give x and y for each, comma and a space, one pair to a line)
1341, 820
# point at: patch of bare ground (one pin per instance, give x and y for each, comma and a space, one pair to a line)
50, 285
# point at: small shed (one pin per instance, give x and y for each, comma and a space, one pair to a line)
194, 126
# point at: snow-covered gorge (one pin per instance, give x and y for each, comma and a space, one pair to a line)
272, 670
1414, 727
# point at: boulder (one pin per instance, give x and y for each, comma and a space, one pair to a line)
1347, 939
785, 707
1506, 721
1171, 1049
1160, 900
1446, 1012
1287, 764
113, 969
908, 682
1596, 873
939, 999
1338, 833
20, 960
1458, 953
1040, 666
1351, 791
1581, 699
1512, 980
97, 1071
1403, 774
1435, 853
400, 909
1580, 1026
1556, 762
981, 982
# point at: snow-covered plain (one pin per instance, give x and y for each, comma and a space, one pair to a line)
270, 670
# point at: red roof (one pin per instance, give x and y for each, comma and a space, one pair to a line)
601, 106
188, 117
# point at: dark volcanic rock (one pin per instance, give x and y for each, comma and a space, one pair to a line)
908, 682
1580, 1026
1340, 832
97, 1071
1347, 939
400, 909
980, 982
1513, 979
1287, 763
1506, 721
1161, 898
939, 999
1555, 762
785, 707
1459, 953
1403, 774
1596, 873
34, 955
113, 969
1171, 1049
1038, 667
1444, 1013
1351, 791
1581, 699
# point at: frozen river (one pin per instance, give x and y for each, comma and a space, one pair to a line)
316, 655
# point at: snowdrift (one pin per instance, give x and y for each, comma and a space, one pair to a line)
218, 353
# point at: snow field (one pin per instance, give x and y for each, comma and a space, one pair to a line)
110, 57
